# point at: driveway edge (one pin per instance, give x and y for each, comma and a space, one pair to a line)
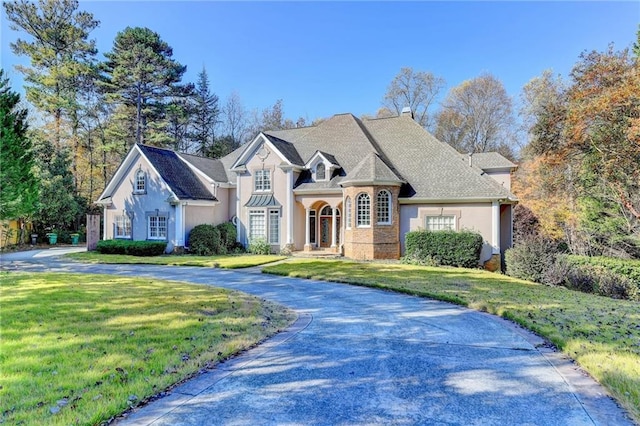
183, 393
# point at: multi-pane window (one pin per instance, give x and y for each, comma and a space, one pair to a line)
265, 224
123, 226
347, 212
257, 224
141, 182
274, 226
363, 213
157, 227
320, 172
262, 180
440, 223
384, 207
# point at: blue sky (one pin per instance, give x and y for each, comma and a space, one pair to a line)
323, 58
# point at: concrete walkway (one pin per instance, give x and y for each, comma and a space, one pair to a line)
359, 356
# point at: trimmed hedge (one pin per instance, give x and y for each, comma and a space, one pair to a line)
447, 248
204, 240
133, 248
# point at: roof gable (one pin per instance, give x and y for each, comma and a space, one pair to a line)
180, 179
212, 168
285, 150
371, 171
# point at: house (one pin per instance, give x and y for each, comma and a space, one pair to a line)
346, 185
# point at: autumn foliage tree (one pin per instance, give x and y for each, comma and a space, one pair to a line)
584, 153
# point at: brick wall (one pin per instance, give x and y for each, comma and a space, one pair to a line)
376, 241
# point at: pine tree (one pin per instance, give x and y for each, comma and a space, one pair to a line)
206, 114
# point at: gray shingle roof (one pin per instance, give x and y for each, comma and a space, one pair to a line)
212, 167
181, 179
490, 160
287, 149
371, 170
431, 169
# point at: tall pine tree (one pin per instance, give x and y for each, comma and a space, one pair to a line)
205, 116
141, 75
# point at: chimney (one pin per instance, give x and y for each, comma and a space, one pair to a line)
470, 159
406, 112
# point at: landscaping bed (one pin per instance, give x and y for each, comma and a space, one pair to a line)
600, 333
81, 349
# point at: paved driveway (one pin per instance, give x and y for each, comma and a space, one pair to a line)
359, 356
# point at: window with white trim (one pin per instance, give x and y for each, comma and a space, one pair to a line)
262, 180
157, 227
320, 172
257, 224
141, 182
363, 213
274, 226
122, 226
440, 223
383, 203
312, 226
347, 212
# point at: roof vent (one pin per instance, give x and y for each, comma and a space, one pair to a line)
406, 112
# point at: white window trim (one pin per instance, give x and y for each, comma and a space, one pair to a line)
166, 227
358, 224
262, 173
454, 217
389, 209
141, 176
276, 213
326, 169
125, 220
347, 212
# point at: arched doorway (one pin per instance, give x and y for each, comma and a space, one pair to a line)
326, 226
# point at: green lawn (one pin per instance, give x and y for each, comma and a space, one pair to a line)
224, 261
601, 334
80, 349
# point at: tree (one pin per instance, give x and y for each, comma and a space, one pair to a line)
585, 146
477, 116
18, 186
417, 90
206, 113
61, 57
140, 73
235, 119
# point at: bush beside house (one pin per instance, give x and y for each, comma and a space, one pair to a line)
538, 260
209, 240
446, 248
133, 248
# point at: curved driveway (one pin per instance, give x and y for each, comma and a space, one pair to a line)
359, 356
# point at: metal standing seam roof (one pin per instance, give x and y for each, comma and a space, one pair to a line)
262, 200
182, 180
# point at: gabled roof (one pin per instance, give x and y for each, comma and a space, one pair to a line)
327, 157
182, 181
490, 161
431, 169
213, 168
286, 149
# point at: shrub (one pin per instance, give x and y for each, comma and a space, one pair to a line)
448, 248
204, 240
530, 259
228, 236
133, 248
259, 246
616, 286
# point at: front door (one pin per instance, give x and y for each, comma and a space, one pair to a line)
325, 231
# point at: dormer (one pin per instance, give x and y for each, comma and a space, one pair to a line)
322, 165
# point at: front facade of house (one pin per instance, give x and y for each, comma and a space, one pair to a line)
349, 186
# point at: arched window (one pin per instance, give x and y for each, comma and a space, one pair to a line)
384, 207
320, 172
347, 212
141, 182
363, 216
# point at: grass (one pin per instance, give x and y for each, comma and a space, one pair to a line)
223, 261
80, 349
601, 334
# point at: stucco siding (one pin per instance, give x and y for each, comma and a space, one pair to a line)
139, 206
502, 177
473, 217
